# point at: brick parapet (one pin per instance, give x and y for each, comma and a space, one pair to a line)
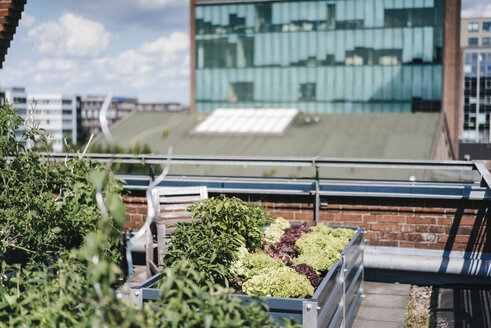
438, 228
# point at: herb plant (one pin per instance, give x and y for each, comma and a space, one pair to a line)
206, 251
234, 217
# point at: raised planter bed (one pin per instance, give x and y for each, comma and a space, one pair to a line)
333, 304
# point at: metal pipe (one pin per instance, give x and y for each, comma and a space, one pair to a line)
280, 161
426, 261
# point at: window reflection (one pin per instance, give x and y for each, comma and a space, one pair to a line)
313, 52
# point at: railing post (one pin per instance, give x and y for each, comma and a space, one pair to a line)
317, 202
151, 172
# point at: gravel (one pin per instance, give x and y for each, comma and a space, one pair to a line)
420, 309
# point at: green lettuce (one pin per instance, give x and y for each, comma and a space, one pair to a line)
279, 282
248, 264
276, 230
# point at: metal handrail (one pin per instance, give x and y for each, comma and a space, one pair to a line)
316, 162
278, 161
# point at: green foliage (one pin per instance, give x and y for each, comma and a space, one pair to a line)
322, 247
248, 264
207, 251
76, 288
276, 230
187, 304
45, 209
280, 282
234, 217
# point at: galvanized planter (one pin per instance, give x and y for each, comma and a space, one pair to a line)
334, 302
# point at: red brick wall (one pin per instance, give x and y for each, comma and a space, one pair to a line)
457, 229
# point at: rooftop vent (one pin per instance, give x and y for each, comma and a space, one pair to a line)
247, 121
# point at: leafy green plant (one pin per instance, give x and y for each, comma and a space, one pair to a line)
45, 209
280, 282
184, 303
207, 252
322, 247
248, 264
234, 217
276, 230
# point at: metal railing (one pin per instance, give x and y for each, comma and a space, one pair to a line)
318, 187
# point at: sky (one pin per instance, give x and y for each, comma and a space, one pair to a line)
132, 48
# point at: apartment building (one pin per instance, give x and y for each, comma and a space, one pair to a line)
475, 32
56, 114
91, 105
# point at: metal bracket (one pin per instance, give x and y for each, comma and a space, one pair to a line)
136, 295
309, 314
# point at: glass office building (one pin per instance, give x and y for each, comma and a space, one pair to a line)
477, 95
319, 56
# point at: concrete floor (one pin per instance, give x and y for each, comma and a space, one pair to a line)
384, 306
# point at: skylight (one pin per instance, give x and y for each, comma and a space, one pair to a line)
247, 121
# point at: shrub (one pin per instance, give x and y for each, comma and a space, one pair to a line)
280, 282
46, 209
234, 217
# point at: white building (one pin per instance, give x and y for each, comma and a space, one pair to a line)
57, 114
17, 97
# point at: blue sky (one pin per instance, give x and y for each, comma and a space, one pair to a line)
136, 48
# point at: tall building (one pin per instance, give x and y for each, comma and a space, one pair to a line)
56, 114
475, 32
325, 56
476, 91
91, 105
17, 97
477, 95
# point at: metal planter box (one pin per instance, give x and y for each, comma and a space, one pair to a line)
334, 302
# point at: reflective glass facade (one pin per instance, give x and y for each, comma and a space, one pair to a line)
477, 96
344, 56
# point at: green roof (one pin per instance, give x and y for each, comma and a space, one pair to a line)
385, 135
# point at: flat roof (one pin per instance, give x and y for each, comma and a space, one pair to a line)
382, 136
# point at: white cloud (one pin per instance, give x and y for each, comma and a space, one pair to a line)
71, 35
27, 20
143, 65
155, 4
56, 64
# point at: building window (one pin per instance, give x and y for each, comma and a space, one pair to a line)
486, 26
473, 42
241, 91
486, 41
306, 92
473, 27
